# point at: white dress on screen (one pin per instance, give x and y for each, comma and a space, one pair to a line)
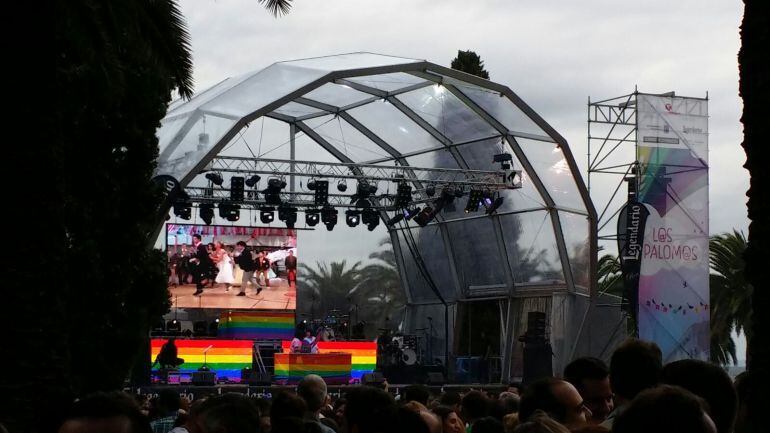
225, 274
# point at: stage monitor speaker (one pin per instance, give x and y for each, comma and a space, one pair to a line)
255, 377
373, 379
537, 362
204, 378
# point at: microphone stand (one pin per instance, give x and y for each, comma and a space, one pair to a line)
205, 366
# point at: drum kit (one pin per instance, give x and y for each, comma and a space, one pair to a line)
398, 349
334, 327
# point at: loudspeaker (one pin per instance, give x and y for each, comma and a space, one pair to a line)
204, 378
255, 377
537, 362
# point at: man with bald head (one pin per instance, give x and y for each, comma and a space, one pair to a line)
557, 398
312, 389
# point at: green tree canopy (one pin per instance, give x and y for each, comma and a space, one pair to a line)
471, 63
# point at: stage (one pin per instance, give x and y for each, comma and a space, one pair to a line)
278, 296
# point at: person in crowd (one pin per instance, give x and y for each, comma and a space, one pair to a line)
540, 422
635, 365
200, 263
409, 419
224, 265
263, 268
418, 393
488, 424
451, 399
167, 410
664, 409
558, 399
591, 377
742, 420
709, 382
514, 387
506, 403
450, 421
312, 389
183, 265
263, 406
285, 408
430, 420
309, 343
296, 342
475, 405
369, 410
105, 412
226, 413
291, 269
245, 259
339, 410
510, 422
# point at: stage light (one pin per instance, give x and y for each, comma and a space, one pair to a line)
430, 190
474, 199
395, 220
329, 217
200, 328
214, 327
410, 213
321, 188
266, 214
342, 186
183, 209
207, 212
495, 205
352, 217
236, 188
252, 181
229, 211
371, 218
424, 216
215, 178
403, 195
273, 190
288, 215
312, 217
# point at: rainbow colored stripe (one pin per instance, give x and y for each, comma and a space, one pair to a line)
363, 354
257, 325
334, 368
226, 357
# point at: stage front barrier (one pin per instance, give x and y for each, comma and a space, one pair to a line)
334, 368
257, 325
363, 354
225, 357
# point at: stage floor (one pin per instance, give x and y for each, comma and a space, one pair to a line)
279, 296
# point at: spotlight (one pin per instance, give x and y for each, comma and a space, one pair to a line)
183, 209
214, 327
273, 190
424, 216
495, 205
215, 178
410, 213
395, 220
371, 218
207, 212
312, 217
430, 190
236, 188
474, 199
229, 211
329, 217
266, 214
288, 215
252, 181
352, 217
342, 186
403, 195
321, 188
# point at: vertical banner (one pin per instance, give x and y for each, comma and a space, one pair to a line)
631, 224
672, 150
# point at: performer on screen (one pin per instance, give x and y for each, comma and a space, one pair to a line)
200, 262
167, 358
224, 266
246, 260
263, 268
291, 269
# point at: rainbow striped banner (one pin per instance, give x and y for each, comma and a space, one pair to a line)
334, 368
257, 325
363, 354
226, 357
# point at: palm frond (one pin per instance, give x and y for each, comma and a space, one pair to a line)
276, 7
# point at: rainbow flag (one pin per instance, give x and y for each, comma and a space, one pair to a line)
363, 354
257, 325
334, 368
226, 357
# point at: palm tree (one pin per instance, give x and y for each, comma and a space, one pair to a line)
609, 275
328, 285
471, 63
730, 294
276, 7
380, 289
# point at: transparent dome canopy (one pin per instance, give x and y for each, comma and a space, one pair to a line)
375, 109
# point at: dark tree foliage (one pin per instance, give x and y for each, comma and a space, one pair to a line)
84, 282
755, 91
470, 62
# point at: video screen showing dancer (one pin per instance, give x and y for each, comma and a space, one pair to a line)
232, 267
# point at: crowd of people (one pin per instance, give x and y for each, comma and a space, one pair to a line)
635, 393
215, 263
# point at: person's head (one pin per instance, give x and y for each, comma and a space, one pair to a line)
263, 406
111, 411
664, 409
339, 409
635, 366
558, 399
291, 253
540, 422
507, 402
708, 382
451, 399
312, 389
514, 387
487, 424
241, 245
369, 410
450, 421
418, 393
218, 245
210, 247
196, 238
591, 377
226, 413
475, 405
168, 402
308, 333
286, 405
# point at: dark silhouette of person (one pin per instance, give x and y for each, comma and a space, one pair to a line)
168, 356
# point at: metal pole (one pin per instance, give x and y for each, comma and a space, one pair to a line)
292, 153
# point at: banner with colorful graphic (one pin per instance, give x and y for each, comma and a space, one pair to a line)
256, 325
363, 354
225, 357
631, 224
334, 368
672, 150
